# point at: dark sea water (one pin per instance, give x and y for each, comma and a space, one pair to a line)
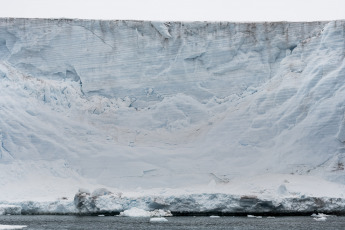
187, 223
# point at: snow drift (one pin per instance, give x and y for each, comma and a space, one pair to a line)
132, 104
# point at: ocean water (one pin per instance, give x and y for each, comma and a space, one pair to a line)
187, 223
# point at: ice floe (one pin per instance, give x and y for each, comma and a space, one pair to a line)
12, 226
158, 219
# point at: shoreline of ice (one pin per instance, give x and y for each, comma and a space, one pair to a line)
185, 205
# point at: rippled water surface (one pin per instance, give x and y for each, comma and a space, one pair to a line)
113, 222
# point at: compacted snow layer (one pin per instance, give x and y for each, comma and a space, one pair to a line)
132, 105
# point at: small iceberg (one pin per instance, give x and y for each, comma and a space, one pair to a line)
270, 217
259, 217
101, 215
158, 219
214, 216
323, 218
135, 212
12, 226
251, 216
319, 215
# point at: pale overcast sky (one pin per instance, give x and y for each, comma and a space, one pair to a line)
177, 10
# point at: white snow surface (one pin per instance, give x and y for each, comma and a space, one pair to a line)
147, 108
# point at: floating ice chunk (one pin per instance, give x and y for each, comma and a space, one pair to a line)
319, 215
323, 218
270, 217
135, 212
158, 219
259, 217
12, 226
214, 216
322, 215
251, 216
100, 215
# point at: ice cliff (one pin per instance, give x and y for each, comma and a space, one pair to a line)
129, 104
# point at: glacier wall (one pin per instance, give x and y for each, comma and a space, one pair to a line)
144, 62
164, 104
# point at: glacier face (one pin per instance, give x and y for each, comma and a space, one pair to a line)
131, 104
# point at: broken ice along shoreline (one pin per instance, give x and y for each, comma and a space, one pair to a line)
104, 202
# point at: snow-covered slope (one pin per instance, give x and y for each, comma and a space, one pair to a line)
128, 104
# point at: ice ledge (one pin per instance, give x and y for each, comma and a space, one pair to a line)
186, 205
7, 209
